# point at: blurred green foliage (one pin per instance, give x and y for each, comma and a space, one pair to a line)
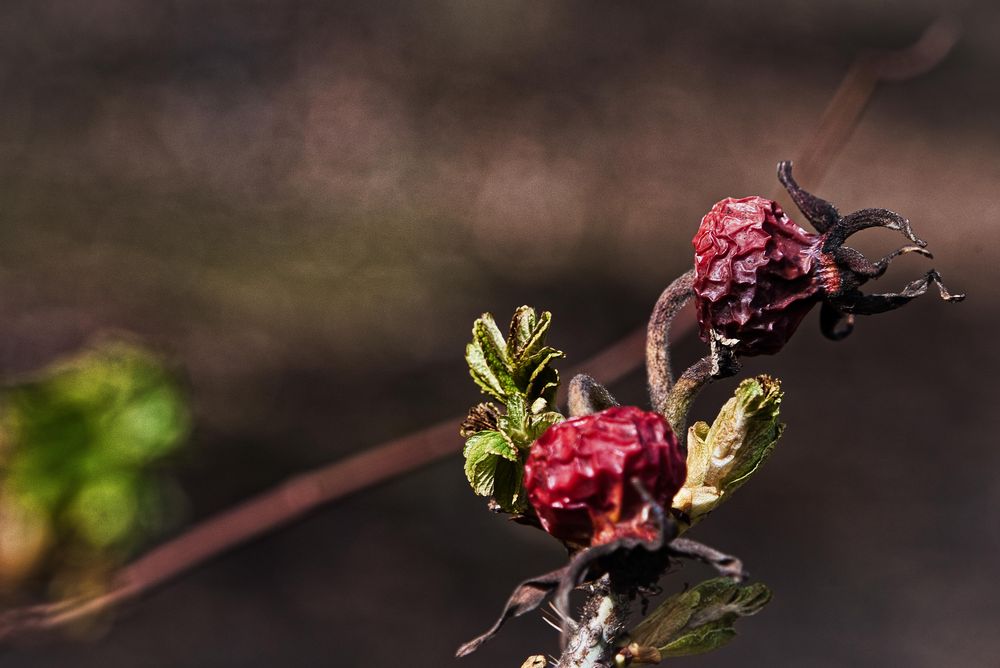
79, 445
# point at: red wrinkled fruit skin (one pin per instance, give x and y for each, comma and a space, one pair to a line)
579, 474
754, 274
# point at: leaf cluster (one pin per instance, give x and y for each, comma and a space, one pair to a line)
517, 372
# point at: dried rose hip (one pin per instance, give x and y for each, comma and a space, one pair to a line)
757, 273
753, 273
583, 475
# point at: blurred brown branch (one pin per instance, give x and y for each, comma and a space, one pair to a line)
296, 497
843, 112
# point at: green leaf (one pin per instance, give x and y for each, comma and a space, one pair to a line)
721, 597
482, 373
480, 470
518, 365
482, 452
667, 620
700, 619
490, 443
487, 337
112, 407
105, 510
486, 333
540, 423
543, 379
700, 640
77, 441
515, 421
527, 336
522, 326
508, 490
747, 429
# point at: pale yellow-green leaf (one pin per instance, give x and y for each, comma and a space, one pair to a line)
723, 456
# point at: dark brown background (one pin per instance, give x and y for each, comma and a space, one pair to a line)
306, 204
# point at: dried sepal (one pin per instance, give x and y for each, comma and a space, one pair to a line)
634, 562
526, 597
640, 558
481, 417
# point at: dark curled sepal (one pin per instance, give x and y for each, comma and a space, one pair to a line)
526, 597
726, 564
635, 560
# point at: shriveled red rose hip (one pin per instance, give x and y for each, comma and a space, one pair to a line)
757, 273
579, 474
753, 273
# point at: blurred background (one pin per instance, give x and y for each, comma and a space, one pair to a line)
302, 207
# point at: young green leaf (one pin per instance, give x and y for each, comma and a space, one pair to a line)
488, 358
508, 489
538, 424
543, 379
700, 640
522, 327
519, 365
667, 620
481, 372
483, 451
514, 422
700, 619
527, 333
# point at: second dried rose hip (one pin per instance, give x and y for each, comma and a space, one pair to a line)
585, 476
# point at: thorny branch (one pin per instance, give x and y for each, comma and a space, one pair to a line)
295, 498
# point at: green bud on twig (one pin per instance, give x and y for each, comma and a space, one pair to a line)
724, 456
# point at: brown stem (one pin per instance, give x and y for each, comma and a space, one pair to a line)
691, 382
658, 373
720, 363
